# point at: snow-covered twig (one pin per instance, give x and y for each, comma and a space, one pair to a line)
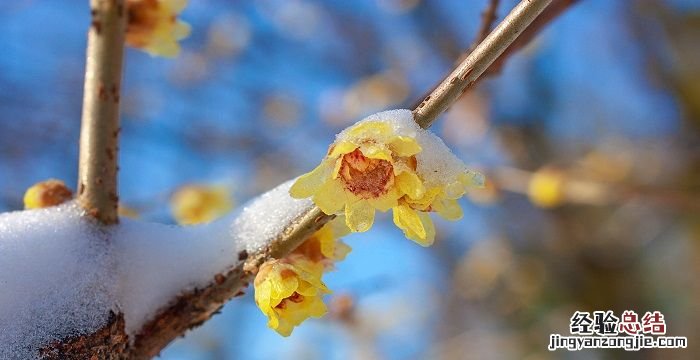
97, 175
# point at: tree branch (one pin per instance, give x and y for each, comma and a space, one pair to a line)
478, 61
97, 174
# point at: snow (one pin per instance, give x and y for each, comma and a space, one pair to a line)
55, 278
253, 231
156, 262
61, 274
436, 164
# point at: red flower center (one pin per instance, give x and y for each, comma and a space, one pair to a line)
365, 177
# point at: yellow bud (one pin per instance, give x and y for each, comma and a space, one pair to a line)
47, 193
546, 188
154, 28
195, 204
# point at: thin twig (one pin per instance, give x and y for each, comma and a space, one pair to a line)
488, 16
478, 61
97, 174
556, 8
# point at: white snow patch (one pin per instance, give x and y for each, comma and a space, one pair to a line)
401, 121
55, 278
157, 262
61, 274
263, 219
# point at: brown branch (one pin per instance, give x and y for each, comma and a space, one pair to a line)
556, 8
467, 72
97, 173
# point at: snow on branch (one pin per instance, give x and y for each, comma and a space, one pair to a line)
62, 273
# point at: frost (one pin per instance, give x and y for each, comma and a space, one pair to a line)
61, 274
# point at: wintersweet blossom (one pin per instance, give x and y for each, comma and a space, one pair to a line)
324, 246
411, 215
289, 291
196, 204
47, 193
387, 162
364, 171
154, 27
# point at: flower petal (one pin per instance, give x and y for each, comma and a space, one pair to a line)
408, 220
405, 146
330, 197
410, 184
373, 151
448, 209
385, 202
359, 216
341, 148
429, 230
309, 183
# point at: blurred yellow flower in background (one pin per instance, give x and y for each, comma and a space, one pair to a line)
364, 171
47, 193
196, 204
154, 28
289, 291
546, 187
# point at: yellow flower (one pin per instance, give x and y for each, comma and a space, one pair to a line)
289, 291
153, 26
196, 204
324, 246
46, 193
411, 214
546, 187
127, 212
368, 168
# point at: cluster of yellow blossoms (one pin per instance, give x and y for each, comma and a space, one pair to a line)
377, 164
290, 290
153, 26
371, 167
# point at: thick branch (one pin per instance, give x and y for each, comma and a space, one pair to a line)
97, 175
478, 61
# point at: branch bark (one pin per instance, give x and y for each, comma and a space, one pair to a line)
99, 132
469, 70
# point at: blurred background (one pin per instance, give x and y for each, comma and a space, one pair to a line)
588, 137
